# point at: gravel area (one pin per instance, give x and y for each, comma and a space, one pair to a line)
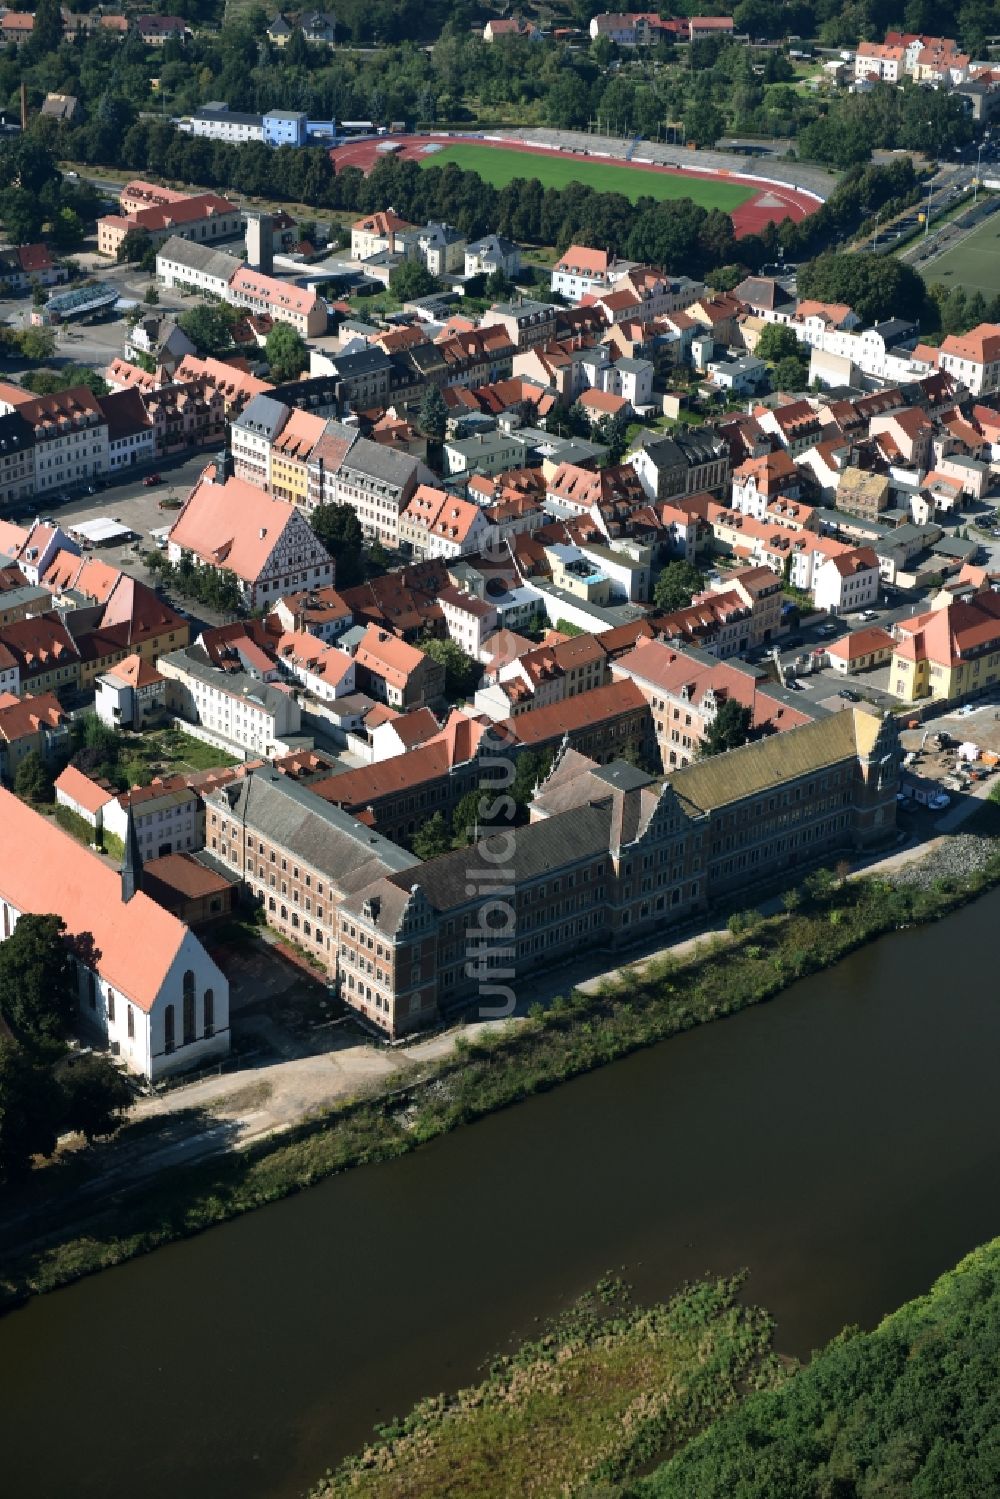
954, 857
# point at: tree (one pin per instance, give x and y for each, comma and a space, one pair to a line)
33, 780
777, 341
96, 1096
790, 374
37, 980
67, 229
479, 813
151, 296
729, 728
30, 1107
875, 286
461, 673
433, 418
47, 31
411, 279
431, 838
338, 528
135, 247
703, 123
612, 431
209, 327
676, 584
37, 344
287, 355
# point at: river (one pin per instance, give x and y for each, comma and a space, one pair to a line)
843, 1142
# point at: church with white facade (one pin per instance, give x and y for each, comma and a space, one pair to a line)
148, 989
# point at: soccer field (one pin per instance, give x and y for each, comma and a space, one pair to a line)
498, 167
974, 265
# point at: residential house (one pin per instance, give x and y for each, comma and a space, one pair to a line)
685, 692
232, 527
948, 651
130, 695
393, 672
239, 712
29, 724
199, 216
493, 254
861, 650
435, 523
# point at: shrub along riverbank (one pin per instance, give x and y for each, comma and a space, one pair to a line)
607, 1389
910, 1408
825, 919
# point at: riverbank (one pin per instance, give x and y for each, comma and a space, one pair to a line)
607, 1389
900, 1409
825, 920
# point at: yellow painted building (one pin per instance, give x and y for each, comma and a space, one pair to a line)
289, 472
948, 652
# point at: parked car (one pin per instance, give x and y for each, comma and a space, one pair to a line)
150, 480
869, 614
939, 802
965, 710
849, 695
793, 641
831, 627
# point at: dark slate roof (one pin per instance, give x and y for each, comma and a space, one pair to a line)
320, 834
380, 462
364, 362
539, 849
263, 415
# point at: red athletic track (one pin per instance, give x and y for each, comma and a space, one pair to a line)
749, 218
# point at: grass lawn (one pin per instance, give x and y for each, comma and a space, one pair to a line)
173, 751
499, 167
973, 265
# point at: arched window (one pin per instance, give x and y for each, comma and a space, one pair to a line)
209, 1013
188, 990
284, 913
168, 1029
270, 904
295, 919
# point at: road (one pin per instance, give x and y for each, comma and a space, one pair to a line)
132, 504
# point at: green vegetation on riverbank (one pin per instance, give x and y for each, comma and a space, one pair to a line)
912, 1408
606, 1389
824, 921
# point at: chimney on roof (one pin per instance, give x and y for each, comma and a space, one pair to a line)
224, 466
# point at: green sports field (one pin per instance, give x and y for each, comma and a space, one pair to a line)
974, 265
499, 167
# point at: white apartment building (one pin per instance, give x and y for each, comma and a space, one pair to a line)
217, 122
183, 265
70, 437
166, 821
255, 717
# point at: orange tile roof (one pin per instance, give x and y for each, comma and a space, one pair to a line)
981, 345
590, 708
82, 790
386, 656
578, 260
134, 671
43, 869
233, 525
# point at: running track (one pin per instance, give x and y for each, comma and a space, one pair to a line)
771, 202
